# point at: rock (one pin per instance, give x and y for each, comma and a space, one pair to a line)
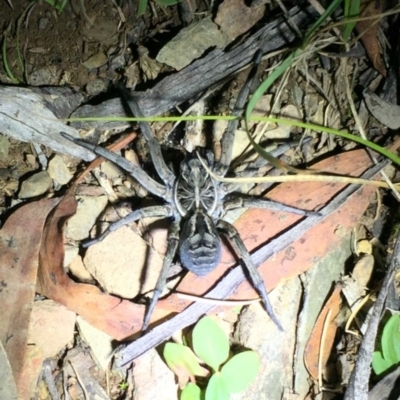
4, 146
96, 87
153, 379
70, 252
35, 185
190, 43
99, 342
95, 61
58, 170
78, 270
51, 327
121, 261
89, 208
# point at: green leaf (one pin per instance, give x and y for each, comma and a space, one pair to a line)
379, 364
167, 2
216, 389
210, 343
142, 7
240, 371
58, 5
351, 12
391, 340
191, 392
182, 361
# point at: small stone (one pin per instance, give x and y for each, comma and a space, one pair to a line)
153, 379
51, 327
89, 208
43, 23
190, 43
124, 264
58, 170
101, 344
4, 146
35, 185
96, 87
111, 170
70, 252
78, 270
95, 61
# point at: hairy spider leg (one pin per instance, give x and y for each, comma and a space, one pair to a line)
145, 212
241, 200
172, 247
135, 171
160, 165
228, 138
231, 232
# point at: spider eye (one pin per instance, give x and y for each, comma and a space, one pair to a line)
200, 245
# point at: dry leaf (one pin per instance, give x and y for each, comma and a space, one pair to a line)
316, 343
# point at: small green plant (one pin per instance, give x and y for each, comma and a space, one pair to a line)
123, 385
143, 4
389, 353
211, 346
57, 4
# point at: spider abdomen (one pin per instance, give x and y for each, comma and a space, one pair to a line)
200, 244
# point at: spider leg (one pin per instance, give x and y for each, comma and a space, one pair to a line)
135, 171
229, 135
255, 276
173, 242
160, 165
241, 200
153, 211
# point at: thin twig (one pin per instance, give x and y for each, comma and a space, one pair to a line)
362, 131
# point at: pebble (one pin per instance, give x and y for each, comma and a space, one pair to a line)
190, 43
89, 208
35, 185
58, 170
4, 146
95, 61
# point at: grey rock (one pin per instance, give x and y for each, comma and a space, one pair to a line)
190, 43
58, 170
89, 208
35, 185
4, 146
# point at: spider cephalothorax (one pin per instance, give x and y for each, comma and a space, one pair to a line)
195, 202
194, 188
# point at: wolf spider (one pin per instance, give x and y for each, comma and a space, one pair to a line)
196, 204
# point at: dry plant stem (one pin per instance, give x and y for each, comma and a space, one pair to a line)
125, 354
298, 178
218, 302
362, 132
378, 205
317, 5
359, 380
97, 161
378, 17
354, 312
321, 348
85, 393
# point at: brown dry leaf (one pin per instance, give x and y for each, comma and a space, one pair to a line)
369, 31
316, 343
20, 241
110, 314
